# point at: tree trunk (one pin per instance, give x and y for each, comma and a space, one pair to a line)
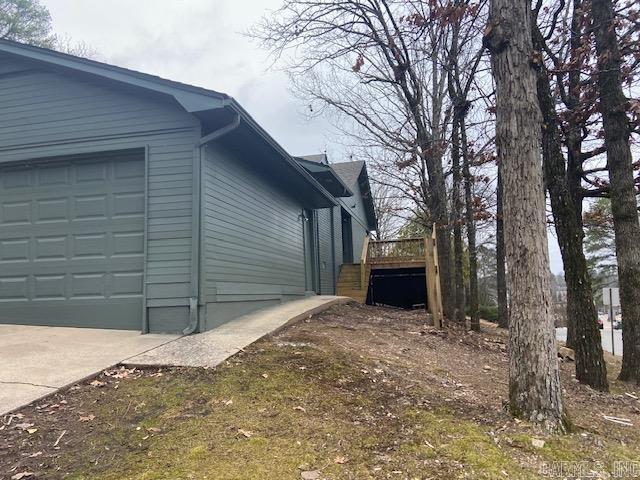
623, 192
456, 202
443, 238
590, 365
438, 209
471, 230
501, 268
574, 138
534, 380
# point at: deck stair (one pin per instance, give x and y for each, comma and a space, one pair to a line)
350, 282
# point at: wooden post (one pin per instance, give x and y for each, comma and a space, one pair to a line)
429, 274
363, 261
438, 291
435, 305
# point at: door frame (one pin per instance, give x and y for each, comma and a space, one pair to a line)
311, 265
347, 236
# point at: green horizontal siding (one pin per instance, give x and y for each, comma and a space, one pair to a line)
48, 113
252, 236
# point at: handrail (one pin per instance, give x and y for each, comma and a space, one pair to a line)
396, 251
400, 240
365, 249
363, 260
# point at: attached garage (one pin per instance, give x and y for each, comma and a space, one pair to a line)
133, 202
72, 241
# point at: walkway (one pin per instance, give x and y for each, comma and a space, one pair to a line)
215, 346
38, 361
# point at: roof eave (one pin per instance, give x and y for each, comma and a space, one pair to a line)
192, 99
315, 167
372, 218
281, 151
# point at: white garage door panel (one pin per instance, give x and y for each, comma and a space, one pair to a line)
72, 242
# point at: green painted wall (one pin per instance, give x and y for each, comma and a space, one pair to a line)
252, 238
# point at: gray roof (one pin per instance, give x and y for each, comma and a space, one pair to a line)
355, 173
193, 99
349, 172
323, 173
199, 101
318, 158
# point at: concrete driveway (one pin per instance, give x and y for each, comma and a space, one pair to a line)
37, 361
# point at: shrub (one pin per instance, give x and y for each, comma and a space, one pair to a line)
488, 313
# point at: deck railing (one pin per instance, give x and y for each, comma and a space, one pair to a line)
406, 250
396, 253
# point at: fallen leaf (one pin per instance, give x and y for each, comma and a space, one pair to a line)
246, 433
537, 443
19, 476
300, 409
154, 430
31, 431
23, 426
98, 383
88, 418
59, 438
310, 475
340, 460
121, 372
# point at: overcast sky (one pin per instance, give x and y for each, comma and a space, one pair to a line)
200, 42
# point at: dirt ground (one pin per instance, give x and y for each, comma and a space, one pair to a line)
356, 392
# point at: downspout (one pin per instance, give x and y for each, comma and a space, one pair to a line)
316, 231
196, 225
333, 251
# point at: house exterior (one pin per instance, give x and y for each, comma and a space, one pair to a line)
342, 228
130, 201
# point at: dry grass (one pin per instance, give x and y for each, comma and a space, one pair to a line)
356, 392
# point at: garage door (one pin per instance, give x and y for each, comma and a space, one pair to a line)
72, 242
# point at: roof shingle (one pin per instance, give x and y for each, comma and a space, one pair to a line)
348, 171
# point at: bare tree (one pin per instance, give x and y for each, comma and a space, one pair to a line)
622, 184
569, 54
590, 366
534, 381
378, 64
456, 211
464, 60
390, 208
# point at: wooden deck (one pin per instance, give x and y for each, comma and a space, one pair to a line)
354, 279
404, 253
